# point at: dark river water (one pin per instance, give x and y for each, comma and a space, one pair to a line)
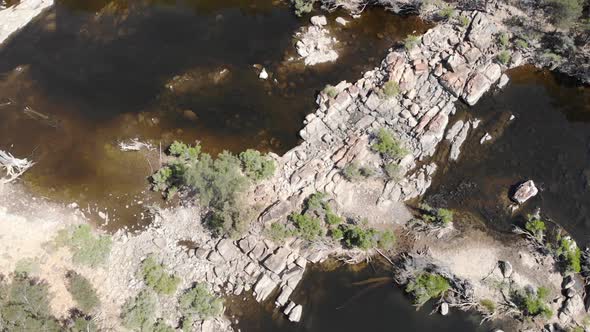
548, 142
87, 74
90, 73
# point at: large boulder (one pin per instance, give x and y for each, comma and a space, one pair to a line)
525, 191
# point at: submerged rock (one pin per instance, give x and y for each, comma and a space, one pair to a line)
319, 20
525, 191
295, 314
444, 309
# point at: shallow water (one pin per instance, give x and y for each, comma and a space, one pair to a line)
351, 299
548, 141
91, 73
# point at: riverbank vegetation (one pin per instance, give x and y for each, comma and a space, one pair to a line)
532, 302
155, 276
216, 183
86, 248
427, 286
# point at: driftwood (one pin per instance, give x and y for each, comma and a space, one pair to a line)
12, 167
134, 144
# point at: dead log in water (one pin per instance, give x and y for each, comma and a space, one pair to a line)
12, 167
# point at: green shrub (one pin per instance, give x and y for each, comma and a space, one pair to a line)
392, 171
316, 201
427, 286
352, 172
198, 303
138, 313
86, 248
390, 89
27, 267
571, 253
386, 240
551, 57
183, 151
388, 146
337, 233
536, 227
532, 303
504, 39
308, 227
504, 57
278, 232
359, 237
81, 323
411, 41
155, 276
436, 215
330, 91
256, 166
24, 306
303, 7
333, 219
488, 305
521, 44
82, 291
464, 20
447, 12
565, 12
160, 326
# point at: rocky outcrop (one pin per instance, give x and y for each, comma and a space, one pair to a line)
15, 18
525, 191
315, 45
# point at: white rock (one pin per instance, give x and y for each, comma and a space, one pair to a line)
504, 79
263, 74
485, 138
295, 314
525, 191
341, 21
319, 20
444, 309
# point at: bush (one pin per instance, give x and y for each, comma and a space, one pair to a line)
434, 215
488, 305
392, 171
155, 276
24, 306
139, 312
86, 248
388, 146
536, 227
411, 41
330, 91
447, 12
198, 303
427, 286
278, 232
565, 12
390, 89
256, 166
303, 7
504, 39
160, 326
337, 234
81, 323
464, 20
521, 44
352, 172
316, 201
386, 240
504, 57
309, 228
27, 267
532, 303
82, 291
359, 237
333, 219
571, 254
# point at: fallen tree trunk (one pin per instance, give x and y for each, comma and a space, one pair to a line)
12, 167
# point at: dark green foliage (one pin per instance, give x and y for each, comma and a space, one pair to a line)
256, 166
303, 7
333, 219
155, 276
86, 248
24, 306
565, 12
362, 237
353, 172
81, 323
386, 240
337, 233
199, 303
388, 145
427, 286
309, 228
532, 303
82, 292
570, 253
138, 313
316, 201
504, 57
217, 183
411, 41
438, 216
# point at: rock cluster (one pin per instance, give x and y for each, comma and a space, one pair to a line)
15, 18
314, 43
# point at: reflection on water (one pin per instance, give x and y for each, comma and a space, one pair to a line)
94, 72
548, 141
342, 301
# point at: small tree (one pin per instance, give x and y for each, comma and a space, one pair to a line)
411, 41
427, 286
565, 12
139, 312
256, 166
87, 249
155, 276
199, 303
388, 145
532, 303
82, 291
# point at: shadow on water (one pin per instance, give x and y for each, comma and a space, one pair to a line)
90, 73
338, 301
548, 141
